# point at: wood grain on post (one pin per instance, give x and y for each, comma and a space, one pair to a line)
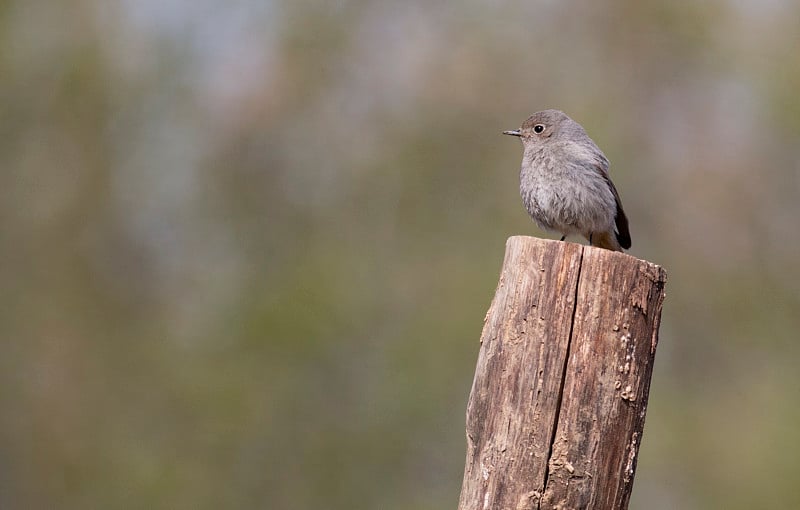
557, 407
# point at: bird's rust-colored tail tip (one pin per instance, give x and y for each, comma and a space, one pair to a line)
607, 240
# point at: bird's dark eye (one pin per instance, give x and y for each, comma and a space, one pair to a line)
538, 128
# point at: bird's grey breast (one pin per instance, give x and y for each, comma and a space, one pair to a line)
539, 168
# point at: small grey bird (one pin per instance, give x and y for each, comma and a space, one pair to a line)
564, 182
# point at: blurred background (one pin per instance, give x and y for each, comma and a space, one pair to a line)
246, 247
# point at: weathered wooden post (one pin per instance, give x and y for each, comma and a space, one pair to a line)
557, 407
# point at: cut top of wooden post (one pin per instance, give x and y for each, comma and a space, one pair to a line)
557, 407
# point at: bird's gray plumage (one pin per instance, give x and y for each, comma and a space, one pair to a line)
564, 181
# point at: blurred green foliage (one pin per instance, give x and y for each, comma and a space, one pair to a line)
247, 247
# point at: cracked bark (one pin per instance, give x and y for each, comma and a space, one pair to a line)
557, 407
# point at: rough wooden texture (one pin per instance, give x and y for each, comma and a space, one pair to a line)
557, 408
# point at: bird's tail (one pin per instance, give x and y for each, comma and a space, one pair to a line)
607, 240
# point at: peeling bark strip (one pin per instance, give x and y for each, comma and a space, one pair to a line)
557, 407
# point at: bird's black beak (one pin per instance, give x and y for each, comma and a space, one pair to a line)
514, 132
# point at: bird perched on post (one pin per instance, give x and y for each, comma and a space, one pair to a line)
564, 182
